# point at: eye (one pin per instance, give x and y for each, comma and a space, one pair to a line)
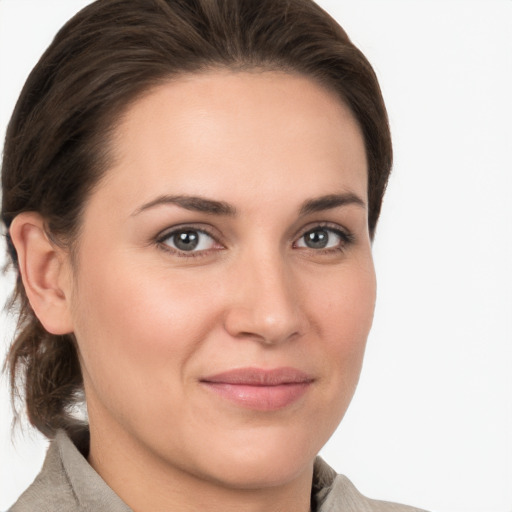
188, 240
323, 237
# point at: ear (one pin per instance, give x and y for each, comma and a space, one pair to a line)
45, 271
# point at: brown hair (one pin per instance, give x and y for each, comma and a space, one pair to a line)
56, 147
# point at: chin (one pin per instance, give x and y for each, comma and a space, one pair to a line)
262, 460
263, 472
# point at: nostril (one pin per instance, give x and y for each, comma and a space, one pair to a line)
267, 327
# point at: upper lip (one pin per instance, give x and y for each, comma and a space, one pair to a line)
260, 377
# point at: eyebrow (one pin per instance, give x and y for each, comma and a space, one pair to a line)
193, 203
329, 202
213, 207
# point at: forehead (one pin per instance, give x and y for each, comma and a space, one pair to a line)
201, 132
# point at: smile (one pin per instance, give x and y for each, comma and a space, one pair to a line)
258, 389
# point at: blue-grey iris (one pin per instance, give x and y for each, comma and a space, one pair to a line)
317, 239
186, 240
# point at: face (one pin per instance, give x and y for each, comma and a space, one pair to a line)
224, 286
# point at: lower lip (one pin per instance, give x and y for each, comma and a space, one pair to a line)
260, 398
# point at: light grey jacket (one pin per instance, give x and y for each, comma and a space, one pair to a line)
67, 483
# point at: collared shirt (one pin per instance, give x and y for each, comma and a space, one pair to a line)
67, 483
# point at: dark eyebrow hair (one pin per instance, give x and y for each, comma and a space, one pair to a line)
320, 204
194, 203
212, 207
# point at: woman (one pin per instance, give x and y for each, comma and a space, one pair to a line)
190, 191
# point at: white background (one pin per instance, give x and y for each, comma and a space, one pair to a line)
431, 423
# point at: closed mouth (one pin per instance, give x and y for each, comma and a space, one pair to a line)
260, 389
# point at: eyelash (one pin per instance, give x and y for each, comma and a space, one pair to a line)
166, 235
346, 239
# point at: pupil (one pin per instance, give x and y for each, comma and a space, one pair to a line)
317, 239
186, 240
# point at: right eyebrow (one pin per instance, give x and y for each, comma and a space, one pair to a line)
193, 203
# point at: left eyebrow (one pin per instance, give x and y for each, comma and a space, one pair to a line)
329, 202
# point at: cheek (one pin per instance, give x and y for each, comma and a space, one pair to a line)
340, 309
344, 304
135, 326
137, 316
141, 329
344, 308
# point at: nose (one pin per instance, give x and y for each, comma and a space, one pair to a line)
265, 303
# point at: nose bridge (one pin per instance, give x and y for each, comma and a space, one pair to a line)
265, 304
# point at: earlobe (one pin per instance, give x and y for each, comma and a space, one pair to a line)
44, 269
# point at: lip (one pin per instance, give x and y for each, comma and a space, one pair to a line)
260, 389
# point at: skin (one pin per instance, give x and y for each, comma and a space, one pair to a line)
151, 322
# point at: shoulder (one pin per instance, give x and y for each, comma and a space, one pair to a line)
336, 493
49, 484
67, 483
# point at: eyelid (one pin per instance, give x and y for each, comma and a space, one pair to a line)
168, 232
332, 226
345, 234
